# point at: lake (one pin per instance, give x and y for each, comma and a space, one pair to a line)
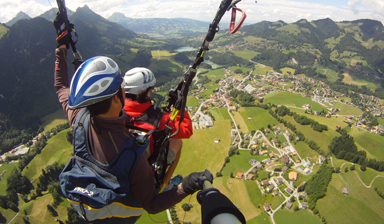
183, 49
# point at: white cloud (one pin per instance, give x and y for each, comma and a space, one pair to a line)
204, 10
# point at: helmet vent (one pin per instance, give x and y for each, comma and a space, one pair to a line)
98, 66
104, 83
111, 63
93, 89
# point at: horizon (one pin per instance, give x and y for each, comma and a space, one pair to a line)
288, 11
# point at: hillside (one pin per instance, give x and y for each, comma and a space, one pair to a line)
160, 27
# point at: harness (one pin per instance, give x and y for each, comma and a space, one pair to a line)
101, 191
158, 159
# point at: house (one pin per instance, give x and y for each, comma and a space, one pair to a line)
305, 204
303, 195
254, 146
254, 170
264, 182
289, 190
297, 139
240, 175
275, 141
285, 168
287, 133
217, 140
286, 159
266, 161
279, 180
253, 162
307, 106
267, 207
294, 153
271, 187
307, 170
271, 154
345, 190
263, 152
260, 165
293, 175
275, 193
265, 144
250, 176
289, 205
267, 130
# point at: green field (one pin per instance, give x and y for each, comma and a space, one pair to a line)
3, 30
332, 76
234, 68
154, 218
346, 109
261, 219
286, 69
322, 139
3, 183
201, 152
246, 54
52, 120
213, 75
58, 149
368, 175
260, 118
193, 101
362, 205
262, 69
291, 99
220, 113
284, 216
304, 151
373, 143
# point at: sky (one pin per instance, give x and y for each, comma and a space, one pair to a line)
204, 10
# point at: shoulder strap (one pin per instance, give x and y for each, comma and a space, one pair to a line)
151, 116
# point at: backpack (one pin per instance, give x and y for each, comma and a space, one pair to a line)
101, 191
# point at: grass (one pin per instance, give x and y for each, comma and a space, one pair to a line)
368, 175
240, 122
3, 183
261, 219
362, 205
220, 113
254, 192
201, 147
260, 118
261, 69
359, 81
346, 109
3, 30
52, 120
161, 54
291, 99
287, 69
193, 101
246, 54
284, 216
158, 218
234, 68
58, 149
322, 139
373, 143
304, 151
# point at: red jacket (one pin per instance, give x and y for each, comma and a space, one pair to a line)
135, 109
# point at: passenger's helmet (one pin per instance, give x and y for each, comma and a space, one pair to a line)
96, 79
138, 79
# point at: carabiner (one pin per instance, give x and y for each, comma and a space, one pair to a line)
232, 28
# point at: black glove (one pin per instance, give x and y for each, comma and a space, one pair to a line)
63, 31
195, 181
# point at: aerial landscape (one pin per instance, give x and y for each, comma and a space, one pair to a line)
288, 115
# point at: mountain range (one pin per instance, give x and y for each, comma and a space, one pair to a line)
27, 50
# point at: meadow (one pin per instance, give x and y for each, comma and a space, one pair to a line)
52, 120
285, 216
3, 183
361, 205
58, 149
359, 81
260, 118
246, 54
291, 99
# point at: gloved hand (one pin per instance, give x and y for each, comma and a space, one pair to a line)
195, 181
62, 30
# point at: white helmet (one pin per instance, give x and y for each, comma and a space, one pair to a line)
138, 79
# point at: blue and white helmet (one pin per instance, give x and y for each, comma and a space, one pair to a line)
138, 79
96, 79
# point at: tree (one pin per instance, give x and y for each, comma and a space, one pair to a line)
363, 168
186, 207
346, 169
231, 175
219, 174
51, 210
